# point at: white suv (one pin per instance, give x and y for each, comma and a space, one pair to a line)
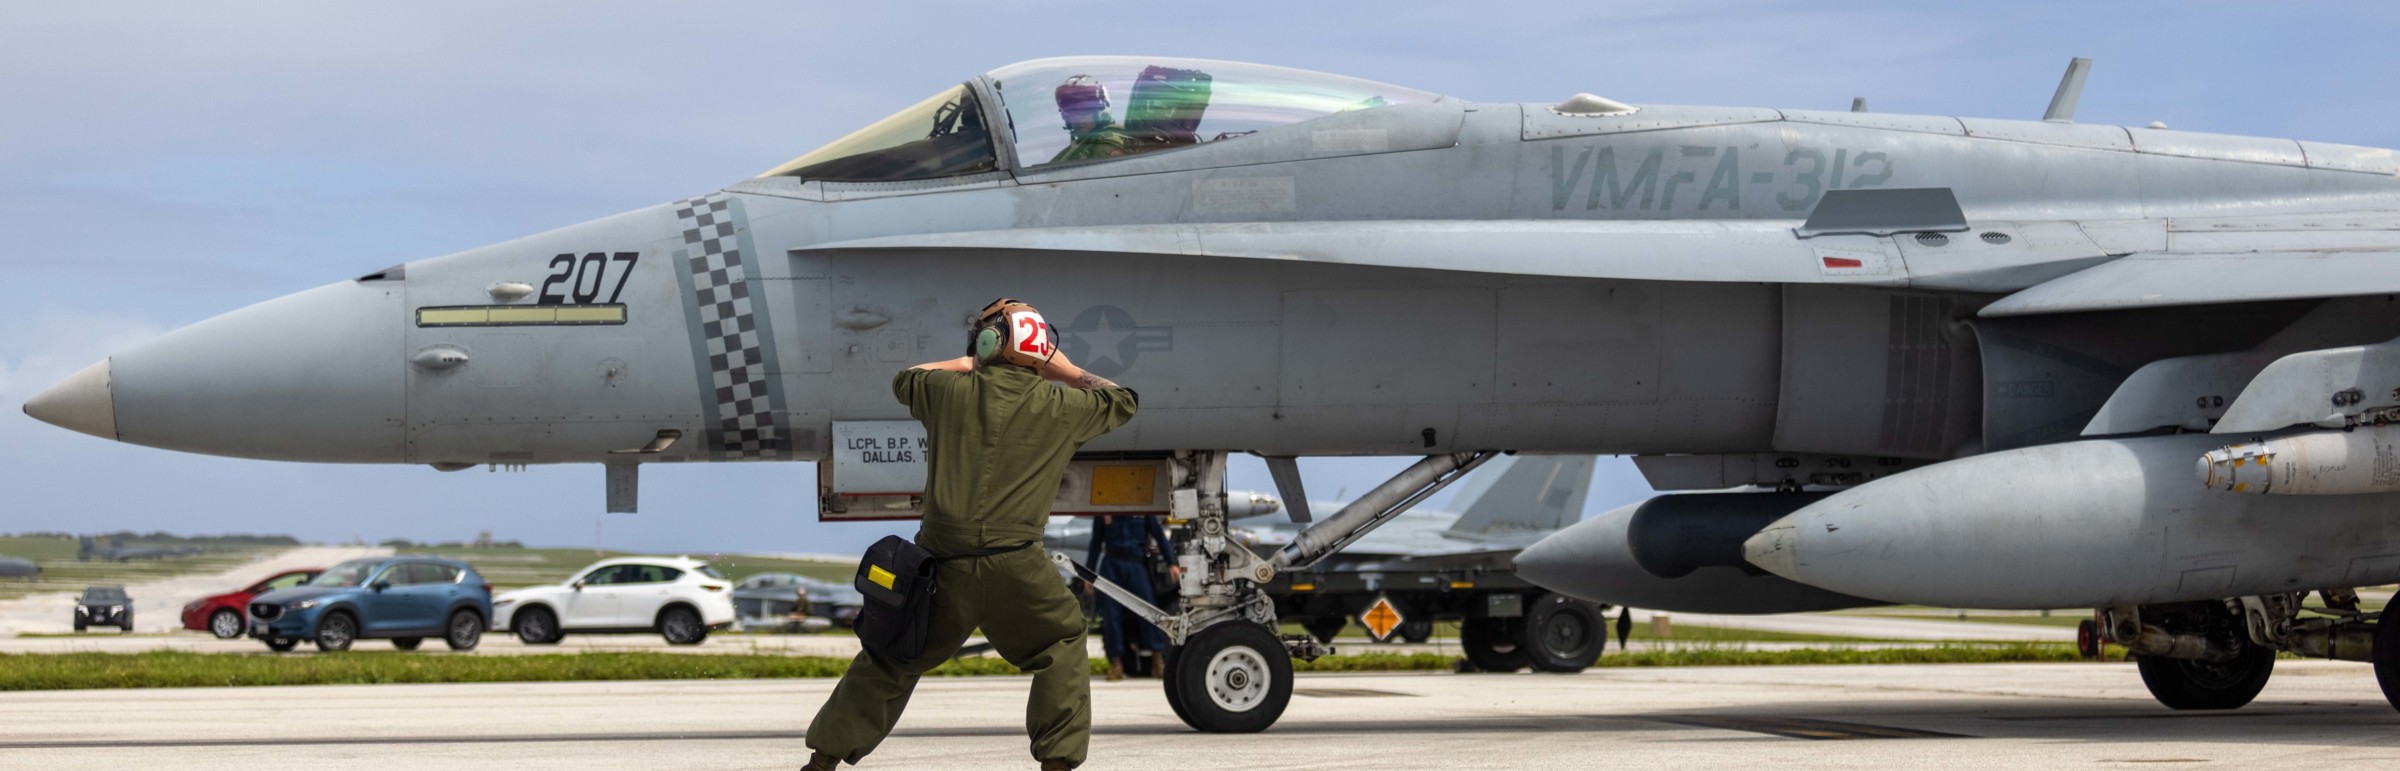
680, 598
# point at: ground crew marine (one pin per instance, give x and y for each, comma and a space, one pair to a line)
999, 437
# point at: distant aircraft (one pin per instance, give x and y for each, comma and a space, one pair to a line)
19, 567
2028, 363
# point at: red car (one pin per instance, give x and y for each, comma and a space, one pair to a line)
223, 614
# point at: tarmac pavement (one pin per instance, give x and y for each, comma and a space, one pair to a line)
1967, 716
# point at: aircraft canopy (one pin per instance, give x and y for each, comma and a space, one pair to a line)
1087, 109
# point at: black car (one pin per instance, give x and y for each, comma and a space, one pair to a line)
104, 606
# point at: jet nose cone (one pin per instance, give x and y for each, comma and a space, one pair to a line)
83, 402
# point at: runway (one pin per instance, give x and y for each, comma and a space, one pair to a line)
2317, 714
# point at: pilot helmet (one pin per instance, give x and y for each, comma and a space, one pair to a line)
1082, 94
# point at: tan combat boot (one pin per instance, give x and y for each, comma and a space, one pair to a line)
1116, 670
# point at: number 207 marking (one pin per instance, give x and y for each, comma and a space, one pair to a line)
575, 281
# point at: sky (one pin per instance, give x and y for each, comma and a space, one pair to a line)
163, 162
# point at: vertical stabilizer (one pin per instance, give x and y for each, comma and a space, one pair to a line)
1532, 494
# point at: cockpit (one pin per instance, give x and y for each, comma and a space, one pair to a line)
1052, 112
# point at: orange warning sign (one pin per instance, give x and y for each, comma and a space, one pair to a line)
1381, 619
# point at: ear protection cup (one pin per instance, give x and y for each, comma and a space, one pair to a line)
1001, 321
987, 344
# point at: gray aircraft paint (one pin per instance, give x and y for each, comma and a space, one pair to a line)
1408, 279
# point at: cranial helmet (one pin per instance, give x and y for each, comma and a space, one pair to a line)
1013, 332
1082, 93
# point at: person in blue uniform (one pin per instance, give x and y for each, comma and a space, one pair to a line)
1116, 555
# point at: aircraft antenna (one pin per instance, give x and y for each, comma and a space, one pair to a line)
1858, 104
2070, 91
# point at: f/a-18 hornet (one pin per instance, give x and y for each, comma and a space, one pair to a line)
1969, 362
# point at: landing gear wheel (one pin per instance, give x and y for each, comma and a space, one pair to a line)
1563, 634
2387, 657
1324, 628
2087, 639
282, 644
336, 632
407, 643
1234, 678
226, 624
681, 626
2188, 684
537, 626
464, 630
1416, 630
1166, 665
1492, 644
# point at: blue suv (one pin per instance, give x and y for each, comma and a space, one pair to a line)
403, 599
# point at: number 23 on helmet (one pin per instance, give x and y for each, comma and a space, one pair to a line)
1011, 331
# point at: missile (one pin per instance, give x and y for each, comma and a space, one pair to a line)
1619, 557
2357, 462
2091, 523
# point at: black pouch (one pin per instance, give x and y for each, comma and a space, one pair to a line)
897, 577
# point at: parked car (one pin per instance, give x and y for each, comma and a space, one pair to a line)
226, 615
680, 598
403, 599
104, 606
771, 599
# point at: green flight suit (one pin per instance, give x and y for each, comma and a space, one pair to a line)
999, 440
1105, 140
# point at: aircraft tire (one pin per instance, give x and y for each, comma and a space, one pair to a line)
1563, 634
2387, 659
1491, 644
407, 643
1234, 678
1167, 677
2196, 685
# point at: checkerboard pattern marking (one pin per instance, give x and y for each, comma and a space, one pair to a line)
737, 361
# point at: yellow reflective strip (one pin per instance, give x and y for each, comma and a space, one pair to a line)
880, 576
453, 316
1462, 584
1304, 587
533, 315
591, 314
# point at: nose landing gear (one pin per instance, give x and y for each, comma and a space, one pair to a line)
1227, 670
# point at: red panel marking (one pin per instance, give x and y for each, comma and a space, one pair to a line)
1843, 262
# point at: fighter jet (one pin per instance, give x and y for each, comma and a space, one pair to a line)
2020, 363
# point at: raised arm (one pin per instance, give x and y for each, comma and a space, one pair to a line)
960, 364
1063, 371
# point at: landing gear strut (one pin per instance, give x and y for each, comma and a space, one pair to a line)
1227, 670
2218, 654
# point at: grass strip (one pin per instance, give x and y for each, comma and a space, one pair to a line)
182, 669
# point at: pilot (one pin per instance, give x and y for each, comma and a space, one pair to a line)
998, 439
1116, 554
1091, 133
